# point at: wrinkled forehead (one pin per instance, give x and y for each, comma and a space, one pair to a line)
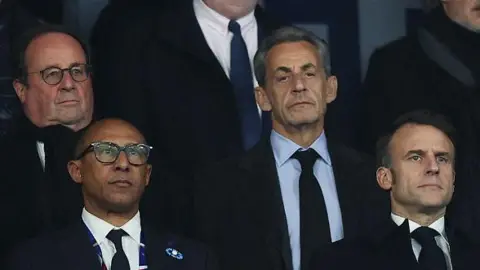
412, 137
54, 49
293, 55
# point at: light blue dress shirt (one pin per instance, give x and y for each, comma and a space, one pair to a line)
289, 170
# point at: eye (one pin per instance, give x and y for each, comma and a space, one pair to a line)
416, 158
281, 78
442, 159
52, 73
310, 74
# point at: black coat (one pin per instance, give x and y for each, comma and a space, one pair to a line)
162, 77
239, 209
71, 249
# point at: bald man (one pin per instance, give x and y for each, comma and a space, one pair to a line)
111, 165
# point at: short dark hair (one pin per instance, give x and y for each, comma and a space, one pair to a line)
418, 117
21, 43
284, 35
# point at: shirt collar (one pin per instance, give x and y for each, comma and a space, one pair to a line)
438, 225
217, 21
284, 148
100, 228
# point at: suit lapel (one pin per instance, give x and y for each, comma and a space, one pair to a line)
155, 249
345, 181
393, 246
464, 249
76, 251
265, 192
188, 36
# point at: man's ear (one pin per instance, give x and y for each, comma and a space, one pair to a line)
147, 174
74, 169
262, 99
20, 88
332, 87
384, 178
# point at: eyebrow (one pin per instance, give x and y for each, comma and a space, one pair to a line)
421, 153
289, 70
70, 66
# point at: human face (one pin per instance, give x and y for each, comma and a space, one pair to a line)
464, 12
297, 89
113, 187
69, 102
421, 177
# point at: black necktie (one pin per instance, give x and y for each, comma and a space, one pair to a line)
119, 260
314, 226
431, 255
242, 81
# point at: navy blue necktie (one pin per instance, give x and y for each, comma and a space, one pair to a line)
431, 255
242, 80
119, 260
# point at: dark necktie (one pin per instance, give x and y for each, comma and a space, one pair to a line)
242, 81
119, 260
431, 255
314, 226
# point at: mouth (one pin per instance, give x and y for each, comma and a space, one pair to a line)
121, 183
301, 104
430, 186
68, 102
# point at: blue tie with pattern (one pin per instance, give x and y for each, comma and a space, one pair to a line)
242, 80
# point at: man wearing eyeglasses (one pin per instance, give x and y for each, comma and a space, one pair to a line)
53, 83
111, 165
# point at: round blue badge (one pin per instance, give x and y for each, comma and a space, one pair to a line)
174, 253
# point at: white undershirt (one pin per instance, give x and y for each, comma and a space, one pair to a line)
41, 153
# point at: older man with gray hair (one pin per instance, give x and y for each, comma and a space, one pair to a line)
295, 190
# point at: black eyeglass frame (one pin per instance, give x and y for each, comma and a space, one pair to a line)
91, 148
87, 68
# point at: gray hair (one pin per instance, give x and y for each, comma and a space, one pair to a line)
284, 35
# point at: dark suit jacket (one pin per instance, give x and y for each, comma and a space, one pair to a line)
71, 249
388, 246
36, 200
401, 77
163, 78
239, 209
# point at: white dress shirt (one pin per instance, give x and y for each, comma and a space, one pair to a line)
442, 242
215, 29
41, 153
131, 243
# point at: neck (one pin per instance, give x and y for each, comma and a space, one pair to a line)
117, 218
78, 125
303, 135
423, 219
231, 11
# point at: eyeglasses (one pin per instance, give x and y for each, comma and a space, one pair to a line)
54, 75
108, 152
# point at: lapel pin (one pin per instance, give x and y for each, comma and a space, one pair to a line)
174, 253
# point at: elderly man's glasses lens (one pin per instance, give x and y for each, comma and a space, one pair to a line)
54, 75
107, 152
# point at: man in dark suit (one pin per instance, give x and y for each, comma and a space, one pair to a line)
111, 166
435, 68
184, 79
52, 82
295, 189
416, 165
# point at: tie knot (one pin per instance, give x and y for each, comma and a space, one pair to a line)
425, 235
306, 158
116, 237
234, 27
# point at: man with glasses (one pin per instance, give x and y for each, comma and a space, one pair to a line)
53, 83
111, 165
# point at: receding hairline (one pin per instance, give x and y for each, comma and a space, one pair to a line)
89, 134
